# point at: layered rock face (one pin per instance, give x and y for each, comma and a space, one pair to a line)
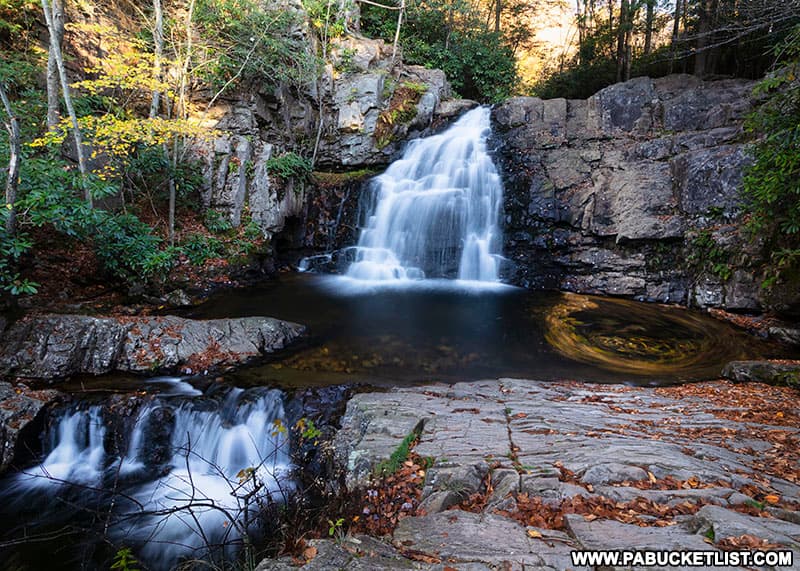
633, 192
57, 346
337, 114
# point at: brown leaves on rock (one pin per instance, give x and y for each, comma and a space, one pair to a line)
535, 512
670, 483
390, 499
746, 542
741, 402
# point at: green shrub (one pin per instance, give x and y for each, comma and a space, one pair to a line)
199, 248
216, 222
772, 182
289, 165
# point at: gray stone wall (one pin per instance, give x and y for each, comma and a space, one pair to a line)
633, 192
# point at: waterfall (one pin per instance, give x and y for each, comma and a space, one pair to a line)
193, 474
435, 212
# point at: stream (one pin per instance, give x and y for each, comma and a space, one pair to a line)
178, 468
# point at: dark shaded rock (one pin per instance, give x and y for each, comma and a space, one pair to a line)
20, 409
769, 372
609, 195
57, 346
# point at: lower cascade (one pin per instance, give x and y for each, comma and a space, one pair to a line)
435, 212
188, 481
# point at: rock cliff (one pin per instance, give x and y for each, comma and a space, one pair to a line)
337, 115
633, 192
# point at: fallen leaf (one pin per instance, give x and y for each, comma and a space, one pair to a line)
309, 553
533, 533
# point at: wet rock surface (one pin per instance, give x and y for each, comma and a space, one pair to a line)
627, 193
604, 467
19, 410
57, 346
770, 372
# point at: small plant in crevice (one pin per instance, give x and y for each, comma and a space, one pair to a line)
289, 165
706, 255
402, 109
400, 455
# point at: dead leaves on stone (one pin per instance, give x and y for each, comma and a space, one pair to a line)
746, 542
390, 499
534, 511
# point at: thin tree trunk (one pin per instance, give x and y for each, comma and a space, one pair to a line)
15, 157
648, 27
181, 113
53, 95
702, 38
397, 31
158, 40
581, 21
55, 50
621, 35
676, 30
498, 10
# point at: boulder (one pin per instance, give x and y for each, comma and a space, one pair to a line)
770, 372
19, 409
58, 346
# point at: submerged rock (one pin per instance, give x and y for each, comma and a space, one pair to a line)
770, 372
19, 410
57, 346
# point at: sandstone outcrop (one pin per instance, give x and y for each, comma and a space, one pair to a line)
633, 192
57, 346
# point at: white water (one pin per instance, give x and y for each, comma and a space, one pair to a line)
204, 497
435, 212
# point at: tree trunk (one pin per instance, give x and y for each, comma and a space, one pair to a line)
181, 114
158, 41
622, 34
15, 157
648, 27
581, 21
703, 30
676, 30
53, 94
498, 10
55, 51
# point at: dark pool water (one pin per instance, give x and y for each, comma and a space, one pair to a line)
450, 331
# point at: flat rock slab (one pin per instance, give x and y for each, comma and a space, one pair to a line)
703, 446
463, 537
57, 346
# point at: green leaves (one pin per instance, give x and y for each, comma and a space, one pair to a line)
453, 37
772, 183
289, 165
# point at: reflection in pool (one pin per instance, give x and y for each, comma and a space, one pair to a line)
446, 331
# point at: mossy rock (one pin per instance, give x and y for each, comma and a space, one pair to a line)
780, 373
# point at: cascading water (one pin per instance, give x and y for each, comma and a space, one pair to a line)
190, 480
435, 212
